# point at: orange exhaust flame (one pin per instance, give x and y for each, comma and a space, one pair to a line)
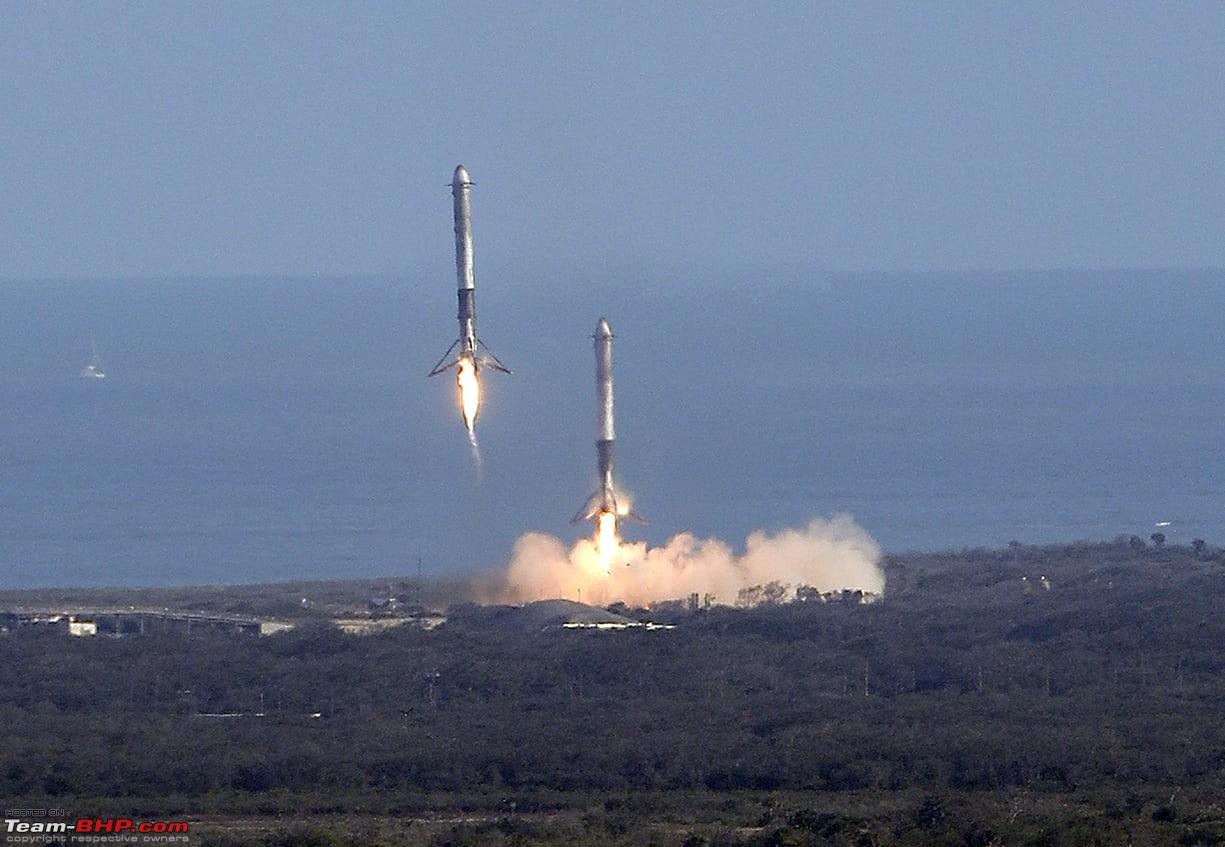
469, 392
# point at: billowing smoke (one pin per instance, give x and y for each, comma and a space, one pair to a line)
826, 556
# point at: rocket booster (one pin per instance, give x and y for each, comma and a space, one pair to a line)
465, 274
467, 344
605, 425
604, 498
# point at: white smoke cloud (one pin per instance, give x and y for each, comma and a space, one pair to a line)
827, 555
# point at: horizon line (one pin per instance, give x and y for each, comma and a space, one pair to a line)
637, 269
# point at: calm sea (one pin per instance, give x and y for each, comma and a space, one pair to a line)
260, 429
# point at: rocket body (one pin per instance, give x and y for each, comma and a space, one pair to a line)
604, 499
465, 347
605, 424
465, 272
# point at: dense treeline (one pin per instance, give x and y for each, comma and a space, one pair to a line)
1015, 695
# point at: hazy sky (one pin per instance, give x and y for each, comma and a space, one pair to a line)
301, 138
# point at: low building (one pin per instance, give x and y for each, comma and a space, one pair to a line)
81, 627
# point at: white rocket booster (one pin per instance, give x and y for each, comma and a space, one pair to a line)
468, 341
604, 498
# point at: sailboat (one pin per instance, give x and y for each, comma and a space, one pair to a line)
94, 369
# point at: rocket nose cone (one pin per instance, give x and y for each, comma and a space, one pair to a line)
603, 330
461, 176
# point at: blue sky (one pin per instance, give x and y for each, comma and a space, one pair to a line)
170, 139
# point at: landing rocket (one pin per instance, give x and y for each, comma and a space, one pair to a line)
604, 498
467, 344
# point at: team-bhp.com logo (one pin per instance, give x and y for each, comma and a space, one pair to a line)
92, 829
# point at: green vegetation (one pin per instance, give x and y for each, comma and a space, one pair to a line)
972, 705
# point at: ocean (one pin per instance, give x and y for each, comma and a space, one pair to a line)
255, 430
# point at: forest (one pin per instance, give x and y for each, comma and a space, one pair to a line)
1031, 695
